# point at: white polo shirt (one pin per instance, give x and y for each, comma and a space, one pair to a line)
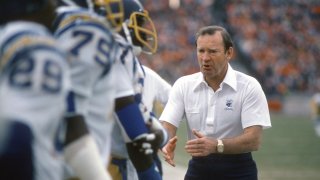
239, 103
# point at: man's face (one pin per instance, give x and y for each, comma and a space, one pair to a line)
212, 57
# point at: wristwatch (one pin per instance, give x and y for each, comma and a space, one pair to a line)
220, 146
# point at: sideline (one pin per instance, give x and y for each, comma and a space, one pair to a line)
173, 173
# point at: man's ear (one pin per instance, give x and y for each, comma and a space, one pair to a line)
229, 53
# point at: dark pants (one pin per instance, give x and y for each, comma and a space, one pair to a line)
222, 167
157, 160
122, 166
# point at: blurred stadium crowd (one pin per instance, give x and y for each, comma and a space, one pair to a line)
278, 41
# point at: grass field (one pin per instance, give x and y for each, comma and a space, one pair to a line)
290, 150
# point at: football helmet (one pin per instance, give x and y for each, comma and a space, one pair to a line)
138, 27
111, 9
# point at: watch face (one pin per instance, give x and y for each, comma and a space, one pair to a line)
220, 146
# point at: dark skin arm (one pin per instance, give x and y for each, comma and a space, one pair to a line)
248, 141
123, 102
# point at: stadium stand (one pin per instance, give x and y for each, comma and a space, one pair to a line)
276, 40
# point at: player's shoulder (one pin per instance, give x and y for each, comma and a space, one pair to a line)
25, 35
29, 56
69, 18
14, 31
125, 53
122, 42
27, 40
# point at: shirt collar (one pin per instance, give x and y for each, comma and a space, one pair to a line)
199, 80
229, 79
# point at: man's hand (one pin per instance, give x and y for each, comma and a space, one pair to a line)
201, 146
168, 150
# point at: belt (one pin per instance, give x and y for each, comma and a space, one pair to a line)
224, 157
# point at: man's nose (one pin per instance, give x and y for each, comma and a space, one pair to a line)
206, 56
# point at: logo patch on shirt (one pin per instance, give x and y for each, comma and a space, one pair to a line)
229, 104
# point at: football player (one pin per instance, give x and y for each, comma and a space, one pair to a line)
89, 39
76, 26
315, 112
34, 82
137, 35
155, 95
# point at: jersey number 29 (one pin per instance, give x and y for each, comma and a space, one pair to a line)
29, 73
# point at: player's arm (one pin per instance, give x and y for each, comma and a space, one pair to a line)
137, 121
81, 152
139, 143
130, 117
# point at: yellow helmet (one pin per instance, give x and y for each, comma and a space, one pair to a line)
141, 28
113, 10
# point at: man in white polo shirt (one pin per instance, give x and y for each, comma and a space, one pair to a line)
225, 111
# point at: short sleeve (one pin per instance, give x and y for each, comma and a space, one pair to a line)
255, 109
174, 109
